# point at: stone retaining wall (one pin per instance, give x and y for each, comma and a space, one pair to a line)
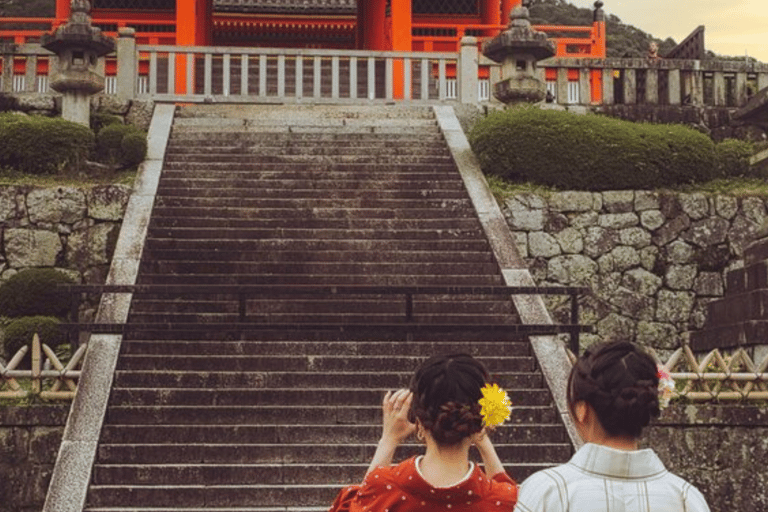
69, 228
721, 449
653, 260
29, 442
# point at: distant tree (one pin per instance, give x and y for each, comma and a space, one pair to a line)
27, 8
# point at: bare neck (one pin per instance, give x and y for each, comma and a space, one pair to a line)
445, 466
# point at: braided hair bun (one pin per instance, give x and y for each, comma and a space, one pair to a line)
446, 390
619, 380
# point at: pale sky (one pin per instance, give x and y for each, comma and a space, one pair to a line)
733, 27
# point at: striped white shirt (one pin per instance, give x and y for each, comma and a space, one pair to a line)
601, 479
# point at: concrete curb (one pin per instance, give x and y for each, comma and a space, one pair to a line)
550, 352
72, 473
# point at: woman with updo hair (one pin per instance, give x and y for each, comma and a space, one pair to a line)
442, 408
613, 392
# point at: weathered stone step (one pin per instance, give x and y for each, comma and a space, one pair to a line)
292, 245
448, 307
236, 474
209, 497
310, 175
239, 127
316, 267
366, 202
394, 237
304, 256
281, 158
316, 223
182, 138
316, 182
237, 212
371, 169
301, 122
337, 348
309, 380
204, 319
344, 453
248, 397
324, 279
299, 363
308, 148
268, 191
348, 433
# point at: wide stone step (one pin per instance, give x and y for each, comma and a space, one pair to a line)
192, 433
326, 137
236, 128
209, 497
238, 212
308, 148
344, 453
449, 306
312, 174
317, 182
325, 279
295, 245
236, 474
328, 256
256, 233
298, 363
248, 397
335, 348
268, 191
372, 169
304, 380
314, 159
366, 202
309, 223
313, 268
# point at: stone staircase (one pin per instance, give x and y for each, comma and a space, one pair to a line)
258, 418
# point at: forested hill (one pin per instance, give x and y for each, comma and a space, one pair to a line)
623, 40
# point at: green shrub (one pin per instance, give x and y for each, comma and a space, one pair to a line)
35, 291
8, 103
134, 148
733, 157
21, 330
589, 152
110, 148
101, 119
42, 145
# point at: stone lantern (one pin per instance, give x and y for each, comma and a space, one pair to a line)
78, 45
517, 49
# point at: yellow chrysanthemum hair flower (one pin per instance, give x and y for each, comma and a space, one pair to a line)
495, 406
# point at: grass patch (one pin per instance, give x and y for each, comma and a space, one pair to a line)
10, 176
739, 187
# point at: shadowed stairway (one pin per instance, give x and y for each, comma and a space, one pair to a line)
218, 416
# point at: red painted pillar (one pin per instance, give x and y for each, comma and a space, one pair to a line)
491, 15
402, 41
375, 25
63, 9
194, 22
506, 9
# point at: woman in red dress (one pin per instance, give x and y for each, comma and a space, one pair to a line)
442, 407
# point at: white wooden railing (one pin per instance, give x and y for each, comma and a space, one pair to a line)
264, 74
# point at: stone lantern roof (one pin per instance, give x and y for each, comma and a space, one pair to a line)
79, 32
519, 37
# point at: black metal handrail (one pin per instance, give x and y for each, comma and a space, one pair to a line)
245, 292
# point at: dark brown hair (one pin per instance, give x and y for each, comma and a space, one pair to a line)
446, 390
619, 380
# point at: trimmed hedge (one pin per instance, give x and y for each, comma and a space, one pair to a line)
35, 291
42, 145
121, 144
101, 119
21, 330
733, 157
590, 152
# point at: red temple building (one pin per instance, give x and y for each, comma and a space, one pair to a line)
382, 25
376, 25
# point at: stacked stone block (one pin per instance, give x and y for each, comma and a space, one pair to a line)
654, 260
740, 319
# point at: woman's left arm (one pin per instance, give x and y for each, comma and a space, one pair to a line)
396, 427
491, 461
